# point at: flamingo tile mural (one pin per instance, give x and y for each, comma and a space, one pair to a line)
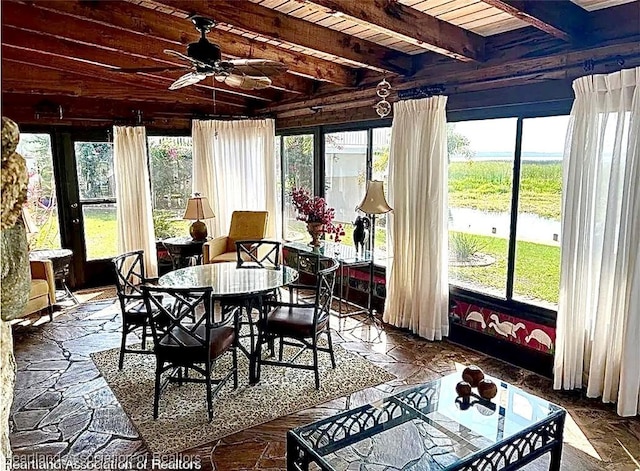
513, 329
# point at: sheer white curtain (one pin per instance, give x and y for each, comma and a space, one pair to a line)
234, 165
133, 195
598, 331
417, 278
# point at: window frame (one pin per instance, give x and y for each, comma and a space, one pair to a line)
532, 312
527, 311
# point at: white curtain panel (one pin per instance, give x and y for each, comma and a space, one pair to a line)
133, 195
234, 165
417, 273
598, 328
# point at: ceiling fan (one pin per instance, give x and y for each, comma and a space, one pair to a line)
205, 60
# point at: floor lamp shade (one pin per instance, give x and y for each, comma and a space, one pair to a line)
198, 208
374, 201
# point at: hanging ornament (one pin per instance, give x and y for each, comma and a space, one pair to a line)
383, 107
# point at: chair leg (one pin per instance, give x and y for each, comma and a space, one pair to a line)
281, 351
143, 346
156, 394
257, 359
316, 370
209, 395
235, 367
333, 358
122, 346
50, 309
251, 330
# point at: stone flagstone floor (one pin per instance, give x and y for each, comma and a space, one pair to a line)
63, 407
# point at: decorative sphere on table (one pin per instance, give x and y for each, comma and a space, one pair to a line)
463, 389
487, 389
472, 375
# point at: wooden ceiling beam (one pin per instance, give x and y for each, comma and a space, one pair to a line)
84, 66
559, 18
565, 65
33, 109
264, 21
412, 25
99, 44
89, 72
23, 77
146, 32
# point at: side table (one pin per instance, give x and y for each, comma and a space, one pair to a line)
181, 248
60, 259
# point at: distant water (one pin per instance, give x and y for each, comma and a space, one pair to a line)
501, 156
531, 227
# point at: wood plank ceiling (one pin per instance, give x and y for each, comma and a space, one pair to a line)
61, 59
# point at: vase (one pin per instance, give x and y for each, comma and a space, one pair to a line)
316, 229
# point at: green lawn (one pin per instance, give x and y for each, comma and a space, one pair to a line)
537, 274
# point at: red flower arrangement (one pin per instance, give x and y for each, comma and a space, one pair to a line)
314, 209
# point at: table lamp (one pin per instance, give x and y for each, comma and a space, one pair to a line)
373, 203
198, 208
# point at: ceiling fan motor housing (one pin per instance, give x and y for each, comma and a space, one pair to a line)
204, 51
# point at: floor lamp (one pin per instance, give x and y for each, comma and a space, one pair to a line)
373, 203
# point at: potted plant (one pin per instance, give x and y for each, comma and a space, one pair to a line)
318, 216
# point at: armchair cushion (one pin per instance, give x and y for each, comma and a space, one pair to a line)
214, 248
245, 225
42, 293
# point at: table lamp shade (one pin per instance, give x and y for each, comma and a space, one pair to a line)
198, 208
374, 201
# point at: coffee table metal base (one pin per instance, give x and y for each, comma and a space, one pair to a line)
524, 427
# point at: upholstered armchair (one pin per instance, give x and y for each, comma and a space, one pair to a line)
42, 294
245, 225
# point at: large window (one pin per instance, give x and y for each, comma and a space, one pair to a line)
380, 171
350, 159
511, 253
345, 170
96, 182
481, 158
537, 262
170, 160
297, 172
42, 205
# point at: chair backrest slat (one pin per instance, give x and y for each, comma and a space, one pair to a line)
325, 283
129, 269
258, 253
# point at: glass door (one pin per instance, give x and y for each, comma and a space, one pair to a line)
89, 212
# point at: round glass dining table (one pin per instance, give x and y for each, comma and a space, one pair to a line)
227, 280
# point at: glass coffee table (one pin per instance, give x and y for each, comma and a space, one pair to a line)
429, 428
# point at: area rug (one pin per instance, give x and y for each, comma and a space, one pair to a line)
183, 421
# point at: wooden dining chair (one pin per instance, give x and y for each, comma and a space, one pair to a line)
252, 253
186, 338
130, 276
300, 325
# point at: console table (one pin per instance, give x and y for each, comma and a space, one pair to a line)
428, 427
60, 259
307, 256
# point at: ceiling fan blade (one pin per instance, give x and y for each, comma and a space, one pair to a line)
133, 70
187, 79
245, 82
254, 67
